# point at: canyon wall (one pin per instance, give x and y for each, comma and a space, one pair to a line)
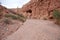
3, 11
40, 9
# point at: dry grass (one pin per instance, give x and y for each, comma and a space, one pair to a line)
16, 17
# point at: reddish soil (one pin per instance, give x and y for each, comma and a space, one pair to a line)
6, 30
36, 30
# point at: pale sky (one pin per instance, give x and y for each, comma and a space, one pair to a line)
13, 3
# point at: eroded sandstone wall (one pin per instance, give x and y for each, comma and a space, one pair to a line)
41, 8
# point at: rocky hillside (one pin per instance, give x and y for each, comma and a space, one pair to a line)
3, 11
9, 21
16, 10
40, 9
34, 29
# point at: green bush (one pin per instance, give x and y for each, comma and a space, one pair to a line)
56, 16
11, 15
20, 15
16, 17
21, 19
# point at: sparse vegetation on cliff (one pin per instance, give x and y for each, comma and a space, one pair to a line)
56, 15
16, 17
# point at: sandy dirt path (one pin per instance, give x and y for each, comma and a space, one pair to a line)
36, 30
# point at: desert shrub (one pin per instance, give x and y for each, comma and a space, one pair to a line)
11, 15
56, 16
16, 17
21, 19
20, 15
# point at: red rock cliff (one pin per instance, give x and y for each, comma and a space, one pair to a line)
40, 8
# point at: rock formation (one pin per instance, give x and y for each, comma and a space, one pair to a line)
40, 9
3, 10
